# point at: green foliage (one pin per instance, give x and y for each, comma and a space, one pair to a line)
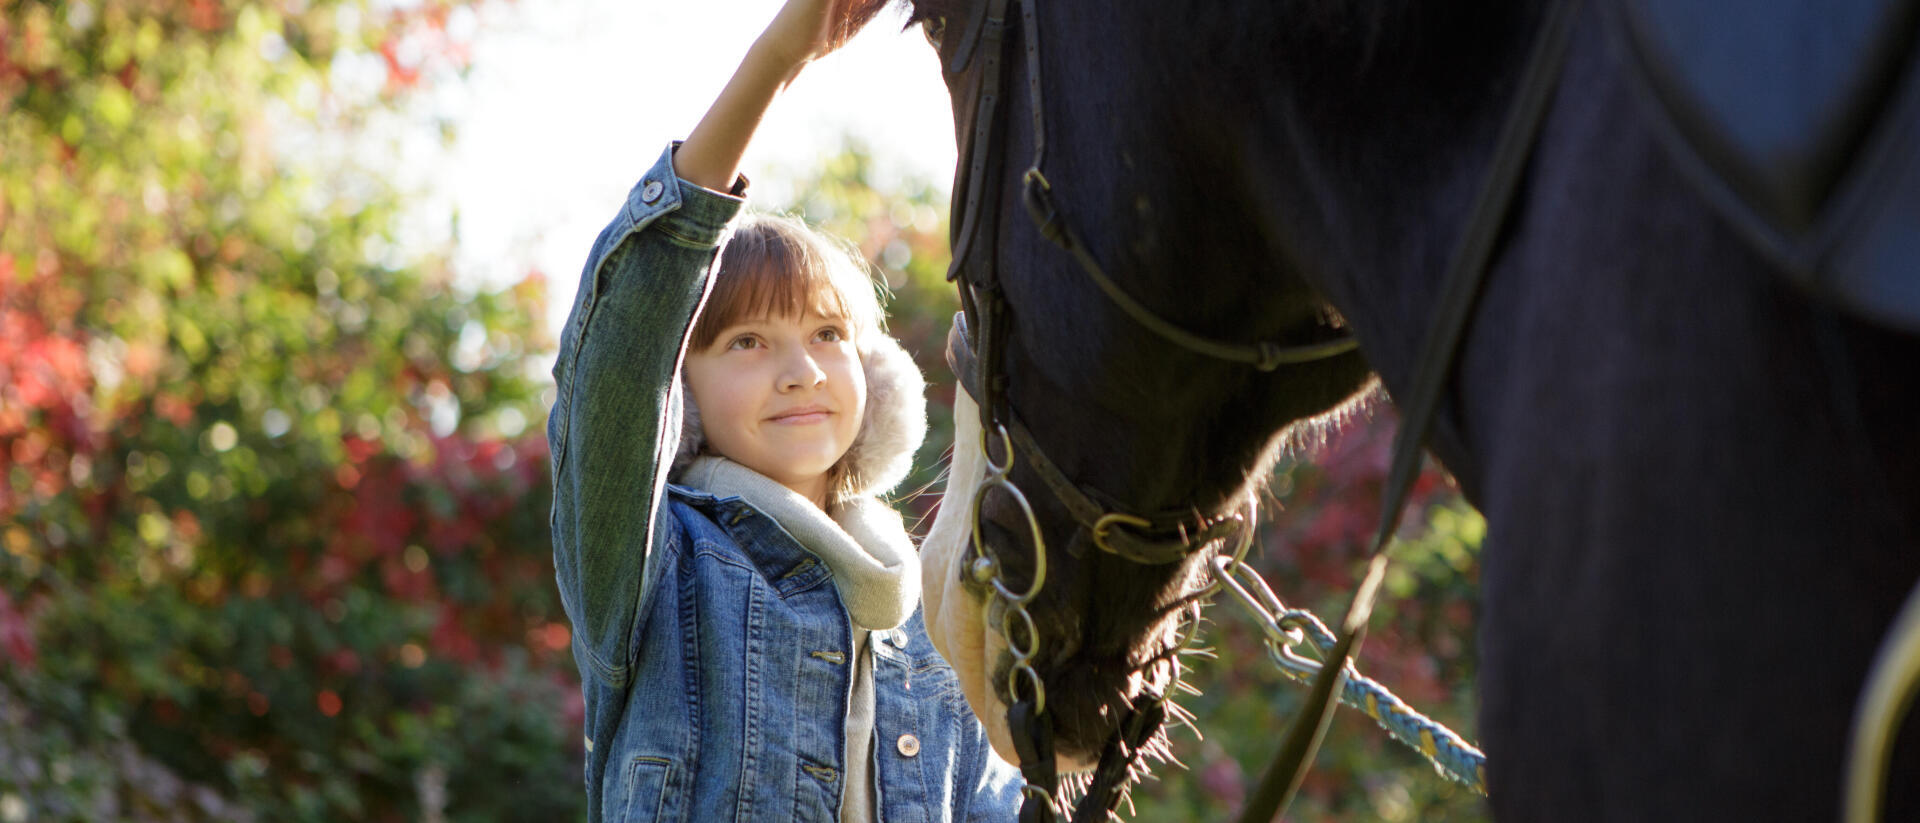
275, 513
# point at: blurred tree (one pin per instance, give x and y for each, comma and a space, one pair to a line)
274, 511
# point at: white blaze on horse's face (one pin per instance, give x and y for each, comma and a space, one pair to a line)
955, 618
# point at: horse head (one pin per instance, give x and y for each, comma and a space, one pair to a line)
1134, 454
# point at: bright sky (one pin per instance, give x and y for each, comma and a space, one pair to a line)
570, 101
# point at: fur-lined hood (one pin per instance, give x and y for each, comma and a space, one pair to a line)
891, 430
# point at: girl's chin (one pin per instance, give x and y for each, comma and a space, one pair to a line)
795, 471
801, 461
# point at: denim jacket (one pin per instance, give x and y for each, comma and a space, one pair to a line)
721, 691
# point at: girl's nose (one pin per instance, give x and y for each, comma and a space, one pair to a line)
800, 371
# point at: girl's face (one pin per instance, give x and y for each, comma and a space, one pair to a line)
783, 396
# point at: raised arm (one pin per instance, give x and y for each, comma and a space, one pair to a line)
616, 376
803, 31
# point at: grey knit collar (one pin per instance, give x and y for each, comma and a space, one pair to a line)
864, 543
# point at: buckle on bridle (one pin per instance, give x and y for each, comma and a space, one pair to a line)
1037, 193
1104, 526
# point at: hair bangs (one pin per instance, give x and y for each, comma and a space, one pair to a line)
779, 267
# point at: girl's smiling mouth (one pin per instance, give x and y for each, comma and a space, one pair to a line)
801, 415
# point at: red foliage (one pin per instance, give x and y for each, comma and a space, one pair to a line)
342, 661
204, 15
46, 387
379, 520
451, 640
416, 43
406, 584
400, 75
16, 634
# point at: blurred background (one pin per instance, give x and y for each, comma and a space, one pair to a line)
278, 282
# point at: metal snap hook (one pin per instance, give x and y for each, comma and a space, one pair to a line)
1249, 525
1229, 573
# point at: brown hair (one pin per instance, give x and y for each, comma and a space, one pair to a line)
779, 266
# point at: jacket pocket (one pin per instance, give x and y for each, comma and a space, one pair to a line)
645, 787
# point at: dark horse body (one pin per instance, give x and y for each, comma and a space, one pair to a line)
1702, 486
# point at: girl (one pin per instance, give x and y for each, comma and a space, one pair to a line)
744, 609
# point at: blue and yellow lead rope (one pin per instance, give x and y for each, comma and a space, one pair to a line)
1285, 628
1451, 754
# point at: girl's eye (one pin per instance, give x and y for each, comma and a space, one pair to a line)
743, 343
933, 28
829, 335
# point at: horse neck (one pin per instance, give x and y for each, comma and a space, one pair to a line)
1221, 162
1271, 145
1380, 126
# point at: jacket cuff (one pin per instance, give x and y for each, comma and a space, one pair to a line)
687, 211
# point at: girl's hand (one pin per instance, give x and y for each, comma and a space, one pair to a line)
803, 31
806, 30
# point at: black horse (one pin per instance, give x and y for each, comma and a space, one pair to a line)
1702, 484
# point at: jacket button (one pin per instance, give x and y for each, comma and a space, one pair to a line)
908, 745
651, 191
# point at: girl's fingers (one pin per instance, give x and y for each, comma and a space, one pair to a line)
811, 29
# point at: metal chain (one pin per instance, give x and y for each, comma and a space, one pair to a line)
1287, 628
1032, 731
986, 570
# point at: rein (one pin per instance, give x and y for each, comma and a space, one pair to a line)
975, 352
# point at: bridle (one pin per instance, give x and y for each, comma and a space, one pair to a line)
975, 350
976, 357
